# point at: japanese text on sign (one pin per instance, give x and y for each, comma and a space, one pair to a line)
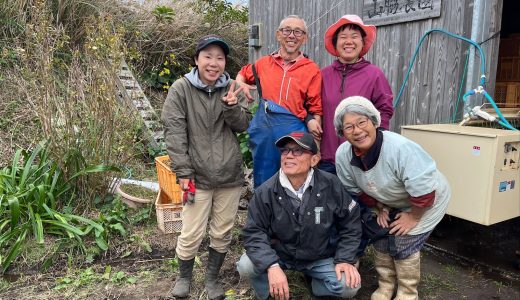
384, 12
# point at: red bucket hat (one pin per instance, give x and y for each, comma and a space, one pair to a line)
370, 31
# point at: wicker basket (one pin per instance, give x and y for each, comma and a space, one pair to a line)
167, 179
169, 215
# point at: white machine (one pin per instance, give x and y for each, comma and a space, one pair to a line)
482, 166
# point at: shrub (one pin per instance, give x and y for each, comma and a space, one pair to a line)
58, 58
32, 194
156, 38
73, 95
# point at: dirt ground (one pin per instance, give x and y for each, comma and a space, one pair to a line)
442, 277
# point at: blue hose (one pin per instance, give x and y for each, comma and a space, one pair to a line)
482, 58
507, 125
502, 121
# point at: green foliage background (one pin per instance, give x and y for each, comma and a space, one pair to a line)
55, 51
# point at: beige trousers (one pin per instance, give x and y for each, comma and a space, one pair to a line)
220, 206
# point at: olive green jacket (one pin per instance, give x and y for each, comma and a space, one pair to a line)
200, 131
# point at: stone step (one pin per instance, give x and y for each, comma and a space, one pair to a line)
126, 73
141, 105
148, 115
152, 125
129, 82
137, 95
132, 90
158, 136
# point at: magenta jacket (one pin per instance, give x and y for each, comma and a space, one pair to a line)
340, 81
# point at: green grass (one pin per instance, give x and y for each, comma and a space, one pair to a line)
33, 254
4, 284
89, 278
172, 265
449, 269
367, 260
432, 283
297, 285
499, 286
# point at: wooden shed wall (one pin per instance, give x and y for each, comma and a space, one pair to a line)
434, 84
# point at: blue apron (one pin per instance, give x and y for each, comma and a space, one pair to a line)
270, 123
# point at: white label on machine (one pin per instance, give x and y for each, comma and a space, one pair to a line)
476, 150
506, 185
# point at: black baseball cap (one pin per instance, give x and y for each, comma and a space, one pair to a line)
211, 39
303, 139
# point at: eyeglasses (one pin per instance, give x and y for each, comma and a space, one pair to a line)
288, 31
295, 151
361, 123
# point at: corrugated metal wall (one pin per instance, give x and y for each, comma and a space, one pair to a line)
433, 87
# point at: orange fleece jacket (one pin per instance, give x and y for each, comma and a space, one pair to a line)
297, 89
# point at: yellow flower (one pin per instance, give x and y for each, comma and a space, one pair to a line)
166, 71
161, 73
172, 55
165, 87
166, 63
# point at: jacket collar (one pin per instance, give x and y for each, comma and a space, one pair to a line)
337, 65
277, 52
302, 61
193, 78
317, 179
286, 183
369, 161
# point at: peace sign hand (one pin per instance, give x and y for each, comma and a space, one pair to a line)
231, 97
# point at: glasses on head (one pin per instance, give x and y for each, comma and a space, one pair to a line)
295, 151
288, 31
361, 123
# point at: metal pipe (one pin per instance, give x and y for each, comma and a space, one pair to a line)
476, 24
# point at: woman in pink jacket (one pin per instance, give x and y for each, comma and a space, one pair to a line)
349, 39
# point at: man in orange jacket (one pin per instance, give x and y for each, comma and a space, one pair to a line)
288, 77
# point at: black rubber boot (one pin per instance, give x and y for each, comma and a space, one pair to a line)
182, 284
215, 261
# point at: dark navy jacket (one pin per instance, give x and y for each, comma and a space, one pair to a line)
330, 227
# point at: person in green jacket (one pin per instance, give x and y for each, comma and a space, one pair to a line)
201, 115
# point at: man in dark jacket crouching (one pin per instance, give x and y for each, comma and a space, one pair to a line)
301, 219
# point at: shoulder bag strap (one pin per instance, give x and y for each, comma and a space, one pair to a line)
257, 82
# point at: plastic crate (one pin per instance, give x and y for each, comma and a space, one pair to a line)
169, 215
168, 179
